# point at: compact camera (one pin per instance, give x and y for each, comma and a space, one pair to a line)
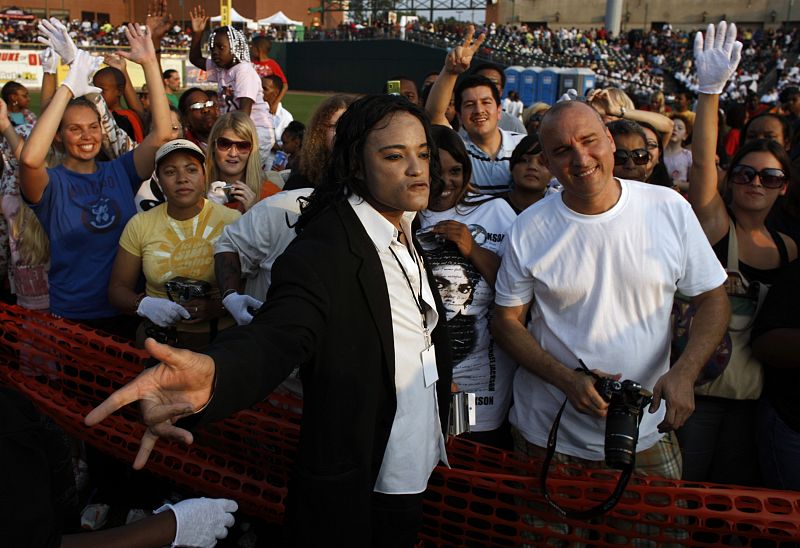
182, 289
626, 402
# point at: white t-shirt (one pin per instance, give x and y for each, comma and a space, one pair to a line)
479, 365
241, 80
260, 236
678, 165
602, 288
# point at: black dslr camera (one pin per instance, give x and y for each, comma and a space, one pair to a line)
627, 400
182, 289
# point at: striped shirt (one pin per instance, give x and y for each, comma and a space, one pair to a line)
492, 175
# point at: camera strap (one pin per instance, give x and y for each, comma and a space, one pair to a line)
594, 511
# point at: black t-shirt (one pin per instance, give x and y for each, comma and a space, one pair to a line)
780, 310
750, 273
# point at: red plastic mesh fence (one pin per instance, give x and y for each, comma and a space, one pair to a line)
489, 498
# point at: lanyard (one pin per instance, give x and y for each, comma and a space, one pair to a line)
417, 297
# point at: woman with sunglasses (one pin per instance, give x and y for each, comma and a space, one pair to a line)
718, 439
233, 159
631, 156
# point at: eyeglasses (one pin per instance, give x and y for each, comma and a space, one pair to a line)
201, 106
770, 177
225, 145
640, 156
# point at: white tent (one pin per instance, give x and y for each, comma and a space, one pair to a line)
279, 19
236, 17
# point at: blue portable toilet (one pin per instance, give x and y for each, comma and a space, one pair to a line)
512, 79
527, 85
579, 79
547, 85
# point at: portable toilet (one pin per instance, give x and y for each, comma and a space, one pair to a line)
547, 85
512, 79
579, 79
527, 85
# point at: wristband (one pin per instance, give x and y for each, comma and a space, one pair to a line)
228, 292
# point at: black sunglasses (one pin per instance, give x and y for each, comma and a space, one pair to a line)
770, 177
225, 145
640, 156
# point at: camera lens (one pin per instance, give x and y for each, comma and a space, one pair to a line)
622, 433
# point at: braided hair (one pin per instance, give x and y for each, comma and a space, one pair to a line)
237, 41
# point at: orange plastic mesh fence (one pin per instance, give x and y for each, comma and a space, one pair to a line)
489, 497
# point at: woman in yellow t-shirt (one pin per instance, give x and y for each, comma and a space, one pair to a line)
173, 245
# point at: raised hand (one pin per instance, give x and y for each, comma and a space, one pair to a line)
158, 20
142, 50
5, 123
57, 37
114, 60
49, 60
80, 71
716, 57
199, 19
177, 387
460, 57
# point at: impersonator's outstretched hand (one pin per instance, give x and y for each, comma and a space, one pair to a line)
716, 57
460, 57
177, 387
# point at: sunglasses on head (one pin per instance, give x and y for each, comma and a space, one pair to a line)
224, 145
640, 156
201, 106
770, 177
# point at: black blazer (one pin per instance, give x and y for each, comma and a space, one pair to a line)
328, 312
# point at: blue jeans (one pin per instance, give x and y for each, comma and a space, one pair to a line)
778, 449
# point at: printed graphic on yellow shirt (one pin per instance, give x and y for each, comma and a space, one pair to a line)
188, 248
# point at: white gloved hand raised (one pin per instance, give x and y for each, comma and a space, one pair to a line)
57, 37
162, 312
81, 70
49, 60
202, 521
237, 304
716, 57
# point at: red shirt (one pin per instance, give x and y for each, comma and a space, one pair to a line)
268, 68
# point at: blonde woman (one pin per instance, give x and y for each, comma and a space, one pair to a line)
231, 159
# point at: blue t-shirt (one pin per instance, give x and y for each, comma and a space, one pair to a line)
84, 215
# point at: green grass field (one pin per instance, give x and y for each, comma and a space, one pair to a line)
301, 105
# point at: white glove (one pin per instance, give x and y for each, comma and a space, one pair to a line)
716, 58
162, 312
57, 37
201, 522
81, 70
237, 304
49, 60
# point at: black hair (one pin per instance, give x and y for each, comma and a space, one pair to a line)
788, 93
685, 93
788, 133
528, 145
343, 177
168, 73
9, 89
660, 175
183, 100
474, 81
295, 128
260, 41
275, 79
118, 75
492, 66
627, 127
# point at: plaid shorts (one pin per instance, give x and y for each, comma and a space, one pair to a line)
662, 459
